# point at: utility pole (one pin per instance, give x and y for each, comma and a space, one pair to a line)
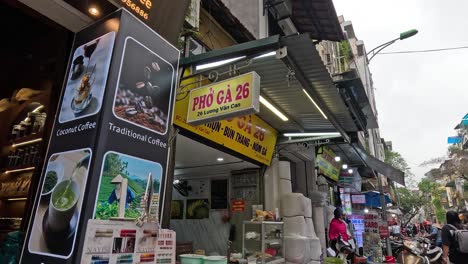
383, 203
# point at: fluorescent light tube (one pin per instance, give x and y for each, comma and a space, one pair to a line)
318, 134
27, 142
18, 170
312, 100
17, 199
273, 109
272, 53
217, 63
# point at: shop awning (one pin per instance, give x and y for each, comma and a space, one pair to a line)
356, 156
317, 17
296, 68
373, 199
464, 122
355, 93
380, 166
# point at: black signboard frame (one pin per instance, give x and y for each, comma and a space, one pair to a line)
83, 141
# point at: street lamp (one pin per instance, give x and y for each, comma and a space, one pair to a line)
403, 35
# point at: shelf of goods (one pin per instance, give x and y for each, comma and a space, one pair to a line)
271, 233
21, 143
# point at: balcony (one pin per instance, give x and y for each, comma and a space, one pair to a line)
354, 94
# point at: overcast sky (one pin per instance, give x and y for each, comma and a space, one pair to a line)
420, 97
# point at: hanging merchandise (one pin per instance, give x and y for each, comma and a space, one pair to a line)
345, 197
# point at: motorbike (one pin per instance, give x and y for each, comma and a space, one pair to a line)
396, 244
419, 251
346, 252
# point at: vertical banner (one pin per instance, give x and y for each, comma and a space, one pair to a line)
358, 223
108, 153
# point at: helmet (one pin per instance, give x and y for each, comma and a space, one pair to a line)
426, 223
338, 212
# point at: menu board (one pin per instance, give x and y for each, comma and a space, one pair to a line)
125, 242
108, 150
371, 222
383, 230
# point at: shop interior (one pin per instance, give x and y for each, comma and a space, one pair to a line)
207, 181
34, 59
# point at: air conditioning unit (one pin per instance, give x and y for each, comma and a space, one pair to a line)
328, 57
361, 50
280, 9
193, 14
288, 27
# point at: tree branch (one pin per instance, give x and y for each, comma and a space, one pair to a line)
464, 177
412, 216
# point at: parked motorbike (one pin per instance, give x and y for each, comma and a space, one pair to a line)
396, 244
419, 251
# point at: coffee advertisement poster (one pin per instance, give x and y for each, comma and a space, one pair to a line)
60, 203
87, 78
140, 177
143, 96
58, 213
116, 113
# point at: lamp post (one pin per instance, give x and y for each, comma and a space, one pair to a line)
403, 35
372, 53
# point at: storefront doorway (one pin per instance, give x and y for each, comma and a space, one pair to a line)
34, 56
207, 182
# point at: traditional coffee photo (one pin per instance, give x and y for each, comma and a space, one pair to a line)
61, 196
144, 90
87, 78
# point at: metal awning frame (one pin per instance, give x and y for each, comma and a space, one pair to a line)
306, 85
251, 50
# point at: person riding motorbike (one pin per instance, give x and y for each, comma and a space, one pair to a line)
338, 226
435, 235
340, 237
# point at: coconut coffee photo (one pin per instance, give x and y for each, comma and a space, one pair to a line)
87, 79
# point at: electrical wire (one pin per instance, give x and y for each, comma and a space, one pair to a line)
423, 51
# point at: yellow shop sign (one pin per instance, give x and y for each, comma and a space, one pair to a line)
248, 135
327, 164
229, 98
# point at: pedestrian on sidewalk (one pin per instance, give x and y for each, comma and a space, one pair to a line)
449, 245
